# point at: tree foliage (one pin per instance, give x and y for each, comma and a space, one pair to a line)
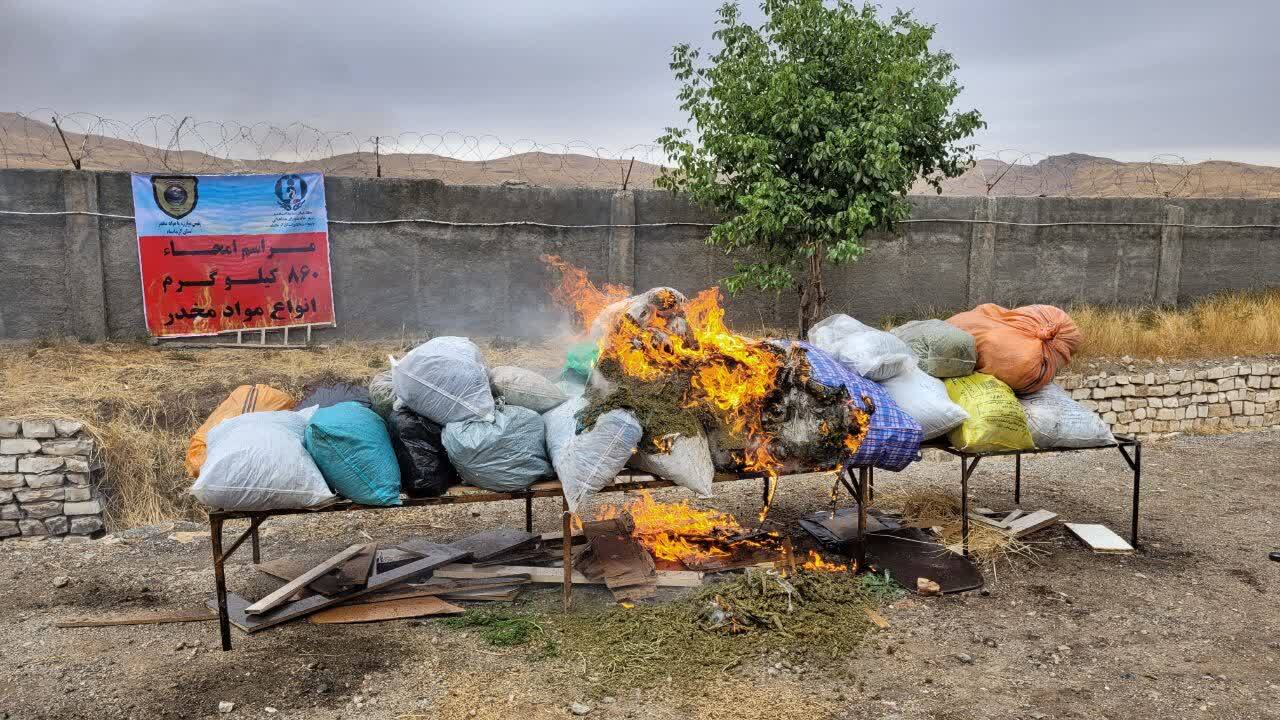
807, 132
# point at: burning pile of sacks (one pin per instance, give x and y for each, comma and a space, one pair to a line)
439, 415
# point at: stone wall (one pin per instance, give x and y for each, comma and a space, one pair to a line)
46, 479
1218, 398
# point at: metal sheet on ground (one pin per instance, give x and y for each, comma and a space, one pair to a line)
911, 553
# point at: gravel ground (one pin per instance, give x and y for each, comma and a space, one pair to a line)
1187, 628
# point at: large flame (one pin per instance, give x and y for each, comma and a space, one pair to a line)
816, 563
579, 294
677, 531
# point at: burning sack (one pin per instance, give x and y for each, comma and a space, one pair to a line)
873, 354
1024, 347
892, 439
1057, 421
924, 398
685, 462
256, 461
425, 470
350, 445
941, 349
444, 380
525, 388
996, 420
589, 461
505, 455
244, 399
658, 308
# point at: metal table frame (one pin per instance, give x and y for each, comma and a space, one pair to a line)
1129, 446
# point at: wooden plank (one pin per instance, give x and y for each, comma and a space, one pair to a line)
494, 595
997, 524
282, 594
424, 547
356, 571
1011, 517
493, 543
555, 575
389, 610
1100, 538
442, 586
236, 605
1028, 524
155, 617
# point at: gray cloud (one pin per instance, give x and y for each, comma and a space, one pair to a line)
1122, 79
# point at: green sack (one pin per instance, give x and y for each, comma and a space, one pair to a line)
579, 360
350, 445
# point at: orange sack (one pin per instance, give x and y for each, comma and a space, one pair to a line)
244, 399
1023, 347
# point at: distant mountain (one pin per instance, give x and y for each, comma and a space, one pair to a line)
28, 143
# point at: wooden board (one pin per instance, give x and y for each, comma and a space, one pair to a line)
282, 593
389, 610
334, 582
983, 519
493, 543
389, 558
423, 547
158, 617
664, 578
1011, 517
236, 605
442, 586
494, 595
1034, 522
1100, 538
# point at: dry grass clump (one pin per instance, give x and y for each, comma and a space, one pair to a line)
142, 403
1218, 326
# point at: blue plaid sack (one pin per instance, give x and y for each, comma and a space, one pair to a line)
893, 440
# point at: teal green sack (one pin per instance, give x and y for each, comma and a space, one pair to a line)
350, 445
579, 360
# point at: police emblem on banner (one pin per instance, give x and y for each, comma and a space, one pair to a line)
176, 195
291, 191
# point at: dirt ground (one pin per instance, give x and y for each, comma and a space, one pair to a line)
1187, 628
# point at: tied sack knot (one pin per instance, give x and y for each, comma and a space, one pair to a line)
1046, 333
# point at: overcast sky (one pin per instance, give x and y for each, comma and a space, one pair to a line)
1124, 79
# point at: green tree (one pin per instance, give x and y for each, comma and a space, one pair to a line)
807, 132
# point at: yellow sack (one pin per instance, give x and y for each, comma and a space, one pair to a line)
996, 418
244, 399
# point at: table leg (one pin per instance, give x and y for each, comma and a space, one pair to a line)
253, 539
528, 514
864, 483
966, 470
220, 581
1137, 480
1017, 479
567, 520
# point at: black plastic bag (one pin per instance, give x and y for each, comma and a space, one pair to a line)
425, 470
327, 395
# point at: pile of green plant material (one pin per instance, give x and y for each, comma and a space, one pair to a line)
659, 405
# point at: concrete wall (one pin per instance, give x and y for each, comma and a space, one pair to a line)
77, 275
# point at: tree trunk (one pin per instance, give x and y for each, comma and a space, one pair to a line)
813, 294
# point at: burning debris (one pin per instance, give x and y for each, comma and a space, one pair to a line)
673, 363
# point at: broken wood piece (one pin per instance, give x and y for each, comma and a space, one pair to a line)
236, 605
389, 610
997, 524
495, 595
555, 575
282, 594
876, 618
1099, 538
350, 574
159, 617
440, 587
1011, 517
356, 571
394, 557
1033, 522
493, 543
423, 547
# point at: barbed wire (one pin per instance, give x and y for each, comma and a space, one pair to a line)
45, 138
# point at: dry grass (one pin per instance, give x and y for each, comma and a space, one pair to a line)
142, 403
1220, 326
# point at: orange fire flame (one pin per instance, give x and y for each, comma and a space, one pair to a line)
672, 531
817, 564
581, 295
